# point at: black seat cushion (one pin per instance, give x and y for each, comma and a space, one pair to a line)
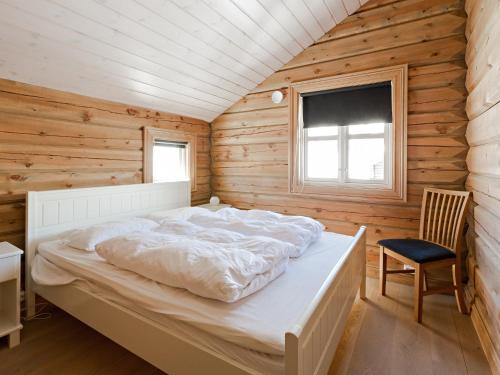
419, 251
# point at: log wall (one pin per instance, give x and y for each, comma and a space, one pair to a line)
54, 140
483, 161
250, 140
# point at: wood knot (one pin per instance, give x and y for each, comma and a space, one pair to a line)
442, 129
132, 112
17, 177
317, 71
86, 116
28, 164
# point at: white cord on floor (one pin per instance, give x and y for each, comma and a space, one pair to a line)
40, 315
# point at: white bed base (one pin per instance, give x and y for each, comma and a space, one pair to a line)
309, 345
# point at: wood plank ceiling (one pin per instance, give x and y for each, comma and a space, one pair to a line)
190, 57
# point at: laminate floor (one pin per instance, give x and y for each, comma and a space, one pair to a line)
381, 339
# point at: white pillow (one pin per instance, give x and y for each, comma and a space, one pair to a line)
87, 238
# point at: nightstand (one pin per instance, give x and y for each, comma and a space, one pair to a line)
10, 285
214, 207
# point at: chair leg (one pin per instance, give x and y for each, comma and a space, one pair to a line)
383, 269
418, 292
459, 292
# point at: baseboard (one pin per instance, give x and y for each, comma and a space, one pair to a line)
485, 340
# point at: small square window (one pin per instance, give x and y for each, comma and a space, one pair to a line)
170, 161
169, 155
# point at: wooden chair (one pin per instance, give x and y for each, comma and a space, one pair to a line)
439, 245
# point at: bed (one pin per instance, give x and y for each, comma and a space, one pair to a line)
303, 343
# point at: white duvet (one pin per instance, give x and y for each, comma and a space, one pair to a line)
215, 263
299, 231
224, 255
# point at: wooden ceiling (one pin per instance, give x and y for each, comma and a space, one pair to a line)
190, 57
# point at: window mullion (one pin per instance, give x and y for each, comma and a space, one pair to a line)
342, 154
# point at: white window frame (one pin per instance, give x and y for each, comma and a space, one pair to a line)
152, 134
343, 138
393, 188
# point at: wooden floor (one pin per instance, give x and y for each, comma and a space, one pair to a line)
381, 339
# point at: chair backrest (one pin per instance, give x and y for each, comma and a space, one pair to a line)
442, 217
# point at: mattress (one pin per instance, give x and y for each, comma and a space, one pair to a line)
262, 363
256, 323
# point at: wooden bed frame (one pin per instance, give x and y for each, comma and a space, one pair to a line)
310, 343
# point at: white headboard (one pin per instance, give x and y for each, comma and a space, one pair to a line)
51, 212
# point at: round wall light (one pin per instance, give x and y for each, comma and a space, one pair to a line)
277, 97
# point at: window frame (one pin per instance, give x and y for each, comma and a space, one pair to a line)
394, 190
152, 134
343, 137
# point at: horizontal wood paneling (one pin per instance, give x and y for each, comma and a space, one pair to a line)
483, 161
54, 140
250, 140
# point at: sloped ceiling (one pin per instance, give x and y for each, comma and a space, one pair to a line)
190, 57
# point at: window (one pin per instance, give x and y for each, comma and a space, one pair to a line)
341, 146
348, 135
169, 161
169, 156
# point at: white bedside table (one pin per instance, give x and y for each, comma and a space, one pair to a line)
10, 285
214, 207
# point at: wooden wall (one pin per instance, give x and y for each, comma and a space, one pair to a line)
483, 160
250, 140
54, 140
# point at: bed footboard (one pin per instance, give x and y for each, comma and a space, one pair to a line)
311, 344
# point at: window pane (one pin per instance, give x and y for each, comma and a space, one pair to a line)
367, 128
322, 159
322, 131
169, 163
366, 159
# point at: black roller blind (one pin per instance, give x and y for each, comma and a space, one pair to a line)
348, 106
